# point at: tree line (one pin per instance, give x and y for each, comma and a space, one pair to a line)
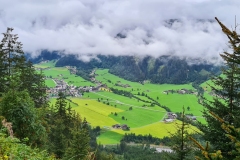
31, 128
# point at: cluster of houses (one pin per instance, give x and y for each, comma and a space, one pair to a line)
72, 69
62, 86
71, 90
172, 117
181, 91
123, 126
122, 85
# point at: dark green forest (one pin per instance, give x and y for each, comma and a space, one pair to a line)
165, 69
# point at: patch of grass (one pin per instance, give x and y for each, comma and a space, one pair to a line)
96, 113
109, 137
50, 83
64, 74
46, 64
173, 101
158, 129
138, 116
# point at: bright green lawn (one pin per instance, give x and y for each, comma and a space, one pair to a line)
138, 116
109, 137
104, 76
64, 73
173, 101
95, 112
158, 129
50, 83
46, 65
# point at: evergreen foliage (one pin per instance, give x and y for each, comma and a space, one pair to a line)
182, 146
164, 69
18, 108
14, 65
226, 100
12, 148
69, 136
24, 106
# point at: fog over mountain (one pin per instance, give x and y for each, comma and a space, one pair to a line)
121, 27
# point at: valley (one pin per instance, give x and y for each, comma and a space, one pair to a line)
137, 110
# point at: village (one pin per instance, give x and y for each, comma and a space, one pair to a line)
70, 89
77, 91
181, 91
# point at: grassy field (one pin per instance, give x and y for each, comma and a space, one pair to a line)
158, 129
109, 137
46, 64
95, 112
50, 83
64, 74
173, 101
61, 73
142, 120
136, 87
105, 108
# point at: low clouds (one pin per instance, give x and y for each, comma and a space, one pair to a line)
90, 27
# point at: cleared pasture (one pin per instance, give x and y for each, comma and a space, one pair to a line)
173, 101
138, 117
46, 64
50, 83
64, 74
158, 129
95, 112
142, 119
109, 137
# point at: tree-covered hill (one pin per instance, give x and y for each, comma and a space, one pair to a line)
165, 69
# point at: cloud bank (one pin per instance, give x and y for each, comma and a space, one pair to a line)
90, 27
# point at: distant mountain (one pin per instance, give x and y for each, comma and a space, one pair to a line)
165, 69
44, 55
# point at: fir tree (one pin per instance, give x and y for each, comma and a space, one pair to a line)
17, 107
182, 146
69, 136
226, 98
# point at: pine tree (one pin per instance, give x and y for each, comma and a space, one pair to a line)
11, 56
17, 107
226, 98
69, 136
14, 64
34, 83
182, 146
79, 146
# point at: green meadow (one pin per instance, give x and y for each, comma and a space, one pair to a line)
158, 129
174, 101
46, 64
63, 73
95, 112
104, 108
50, 83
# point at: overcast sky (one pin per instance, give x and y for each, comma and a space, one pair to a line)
86, 27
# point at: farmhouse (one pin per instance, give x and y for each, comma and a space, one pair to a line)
123, 126
172, 115
193, 118
116, 126
168, 120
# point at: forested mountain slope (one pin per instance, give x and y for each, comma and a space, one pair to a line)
164, 69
